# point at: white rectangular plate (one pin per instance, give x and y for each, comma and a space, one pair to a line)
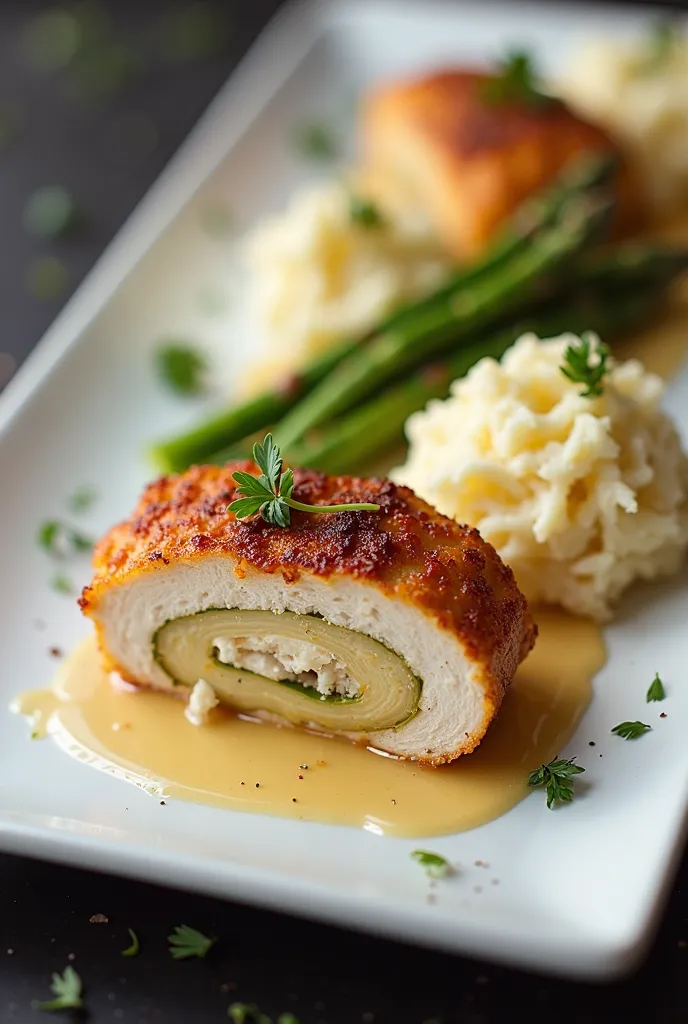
579, 889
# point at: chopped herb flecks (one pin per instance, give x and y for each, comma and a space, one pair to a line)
61, 583
248, 1013
60, 539
47, 278
50, 212
133, 949
656, 691
186, 942
316, 142
67, 989
631, 730
51, 40
193, 31
435, 866
217, 221
181, 368
82, 498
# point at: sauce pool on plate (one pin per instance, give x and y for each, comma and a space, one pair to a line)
233, 762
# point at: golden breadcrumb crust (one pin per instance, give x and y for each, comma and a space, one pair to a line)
469, 162
407, 550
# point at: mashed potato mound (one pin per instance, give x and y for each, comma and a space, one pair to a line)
579, 496
316, 276
643, 100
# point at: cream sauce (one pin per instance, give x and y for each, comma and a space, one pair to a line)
144, 738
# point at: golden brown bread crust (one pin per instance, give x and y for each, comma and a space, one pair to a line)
468, 162
407, 550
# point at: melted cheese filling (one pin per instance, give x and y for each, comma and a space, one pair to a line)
285, 659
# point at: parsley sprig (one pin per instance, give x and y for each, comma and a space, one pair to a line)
67, 989
557, 777
580, 368
656, 690
515, 81
631, 730
435, 865
271, 492
186, 942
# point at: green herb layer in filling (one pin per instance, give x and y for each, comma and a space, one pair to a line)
387, 692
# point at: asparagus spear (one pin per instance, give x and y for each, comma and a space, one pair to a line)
235, 423
582, 174
232, 425
629, 264
347, 443
454, 320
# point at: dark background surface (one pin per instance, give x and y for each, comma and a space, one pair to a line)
107, 149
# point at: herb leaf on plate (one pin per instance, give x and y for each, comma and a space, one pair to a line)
186, 942
58, 538
47, 277
631, 730
181, 368
67, 989
248, 1013
217, 221
133, 949
61, 583
243, 1013
50, 212
557, 777
82, 498
656, 690
316, 141
193, 32
435, 866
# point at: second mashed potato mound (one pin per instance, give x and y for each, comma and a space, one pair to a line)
317, 276
638, 89
579, 496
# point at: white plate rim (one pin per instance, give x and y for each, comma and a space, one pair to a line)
245, 93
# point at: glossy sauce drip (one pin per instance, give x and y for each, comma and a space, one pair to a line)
145, 738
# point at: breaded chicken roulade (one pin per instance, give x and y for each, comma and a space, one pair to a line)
397, 628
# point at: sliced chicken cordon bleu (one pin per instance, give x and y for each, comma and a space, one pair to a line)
398, 628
